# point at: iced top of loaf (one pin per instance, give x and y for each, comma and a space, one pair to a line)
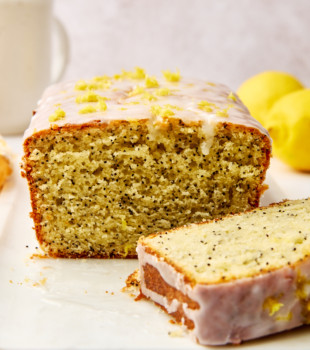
136, 95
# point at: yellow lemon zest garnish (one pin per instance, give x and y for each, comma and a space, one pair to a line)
272, 305
151, 82
102, 85
222, 113
232, 96
81, 85
102, 78
172, 77
163, 92
93, 85
90, 97
211, 84
101, 105
59, 114
88, 109
161, 111
136, 91
137, 74
206, 106
149, 97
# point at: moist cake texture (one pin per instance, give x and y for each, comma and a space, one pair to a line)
112, 158
235, 278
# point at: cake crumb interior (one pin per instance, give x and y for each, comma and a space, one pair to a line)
239, 246
97, 189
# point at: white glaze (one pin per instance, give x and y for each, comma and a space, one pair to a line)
186, 94
232, 312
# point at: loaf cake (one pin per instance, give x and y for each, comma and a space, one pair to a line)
5, 163
111, 158
235, 278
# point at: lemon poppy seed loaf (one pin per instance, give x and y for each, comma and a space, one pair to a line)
236, 278
112, 158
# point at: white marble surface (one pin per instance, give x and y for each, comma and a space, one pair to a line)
225, 41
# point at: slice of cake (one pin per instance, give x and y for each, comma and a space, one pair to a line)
112, 158
232, 279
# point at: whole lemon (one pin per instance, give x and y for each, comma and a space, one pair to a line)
260, 92
288, 123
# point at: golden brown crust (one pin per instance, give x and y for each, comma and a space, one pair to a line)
171, 123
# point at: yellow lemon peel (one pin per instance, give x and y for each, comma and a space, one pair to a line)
149, 97
90, 96
100, 106
206, 106
223, 112
137, 91
59, 114
161, 111
163, 92
137, 74
88, 109
151, 82
232, 96
82, 85
272, 305
172, 77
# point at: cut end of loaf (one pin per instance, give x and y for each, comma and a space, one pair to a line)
97, 188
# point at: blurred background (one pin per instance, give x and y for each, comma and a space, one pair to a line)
220, 40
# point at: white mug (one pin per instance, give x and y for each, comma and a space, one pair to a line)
27, 63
